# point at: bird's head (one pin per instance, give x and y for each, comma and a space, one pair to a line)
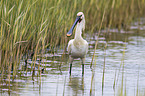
80, 19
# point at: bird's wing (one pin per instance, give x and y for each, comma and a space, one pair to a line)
69, 46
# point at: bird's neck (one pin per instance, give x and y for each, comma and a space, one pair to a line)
78, 33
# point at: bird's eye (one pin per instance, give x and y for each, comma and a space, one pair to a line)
81, 16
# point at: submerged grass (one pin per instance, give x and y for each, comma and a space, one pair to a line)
122, 90
30, 26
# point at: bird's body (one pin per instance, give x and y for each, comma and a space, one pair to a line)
78, 47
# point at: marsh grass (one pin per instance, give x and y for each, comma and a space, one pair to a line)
122, 89
31, 26
103, 77
92, 88
64, 86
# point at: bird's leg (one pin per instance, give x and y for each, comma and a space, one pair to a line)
82, 69
70, 69
83, 62
70, 60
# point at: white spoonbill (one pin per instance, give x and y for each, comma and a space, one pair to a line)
77, 47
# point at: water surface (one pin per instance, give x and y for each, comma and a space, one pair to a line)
55, 80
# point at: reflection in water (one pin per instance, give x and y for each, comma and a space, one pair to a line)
77, 85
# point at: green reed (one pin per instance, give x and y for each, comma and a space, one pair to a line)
122, 89
34, 25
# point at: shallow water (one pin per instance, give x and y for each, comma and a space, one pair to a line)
56, 82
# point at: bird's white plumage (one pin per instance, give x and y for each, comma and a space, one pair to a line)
78, 47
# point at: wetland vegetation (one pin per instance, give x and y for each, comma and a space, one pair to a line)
33, 43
